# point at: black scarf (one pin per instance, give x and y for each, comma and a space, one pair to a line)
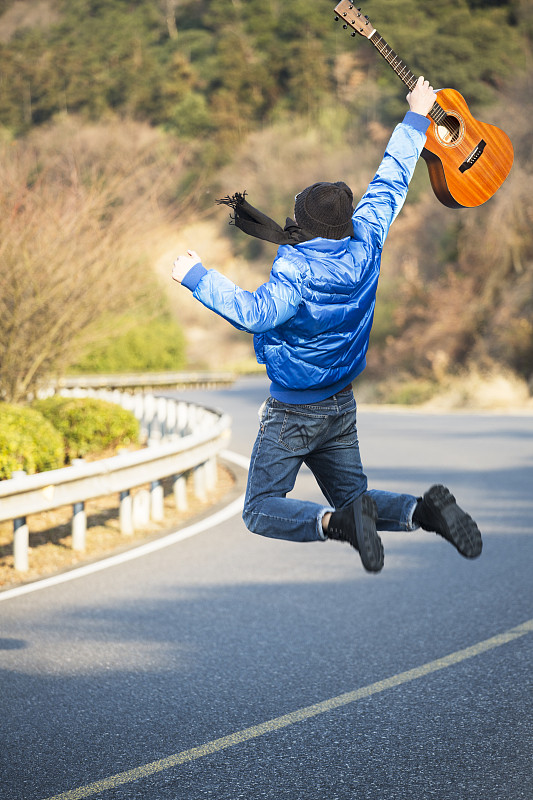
255, 223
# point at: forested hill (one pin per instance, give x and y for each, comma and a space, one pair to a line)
214, 66
122, 120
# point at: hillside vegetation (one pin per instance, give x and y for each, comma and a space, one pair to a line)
122, 120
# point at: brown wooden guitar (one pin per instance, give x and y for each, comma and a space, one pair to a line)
467, 160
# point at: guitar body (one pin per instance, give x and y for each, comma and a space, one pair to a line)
467, 160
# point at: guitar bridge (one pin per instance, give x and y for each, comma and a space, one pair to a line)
473, 157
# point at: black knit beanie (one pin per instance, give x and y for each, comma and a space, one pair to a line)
325, 209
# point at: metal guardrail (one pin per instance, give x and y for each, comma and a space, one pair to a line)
181, 437
146, 380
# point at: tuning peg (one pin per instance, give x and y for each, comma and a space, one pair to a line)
336, 19
345, 26
354, 33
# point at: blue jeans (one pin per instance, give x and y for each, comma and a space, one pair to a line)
323, 436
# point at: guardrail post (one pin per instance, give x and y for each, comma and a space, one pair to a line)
180, 492
137, 409
147, 417
79, 526
192, 416
211, 474
200, 483
172, 418
157, 509
149, 409
162, 416
125, 513
183, 418
21, 535
141, 509
79, 519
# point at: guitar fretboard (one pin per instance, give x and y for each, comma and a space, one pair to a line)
437, 113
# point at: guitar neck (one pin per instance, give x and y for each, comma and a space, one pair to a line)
436, 113
394, 60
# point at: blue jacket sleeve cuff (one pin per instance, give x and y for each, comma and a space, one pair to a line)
194, 276
417, 121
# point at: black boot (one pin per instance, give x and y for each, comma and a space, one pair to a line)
438, 511
356, 524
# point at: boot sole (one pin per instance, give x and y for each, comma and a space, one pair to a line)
368, 542
455, 525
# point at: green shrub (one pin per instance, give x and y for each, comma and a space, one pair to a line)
89, 425
150, 346
28, 441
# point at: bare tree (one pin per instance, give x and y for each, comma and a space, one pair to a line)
168, 8
78, 210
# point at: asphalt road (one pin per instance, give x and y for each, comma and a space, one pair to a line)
229, 666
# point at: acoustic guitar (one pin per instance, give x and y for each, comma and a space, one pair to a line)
467, 160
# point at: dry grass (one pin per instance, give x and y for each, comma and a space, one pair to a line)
483, 392
51, 539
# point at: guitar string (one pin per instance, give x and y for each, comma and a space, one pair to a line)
437, 113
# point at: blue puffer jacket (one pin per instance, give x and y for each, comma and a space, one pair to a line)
311, 321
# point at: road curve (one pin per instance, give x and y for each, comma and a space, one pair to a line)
229, 666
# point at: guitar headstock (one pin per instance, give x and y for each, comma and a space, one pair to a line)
351, 16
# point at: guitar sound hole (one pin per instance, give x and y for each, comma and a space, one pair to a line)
449, 130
